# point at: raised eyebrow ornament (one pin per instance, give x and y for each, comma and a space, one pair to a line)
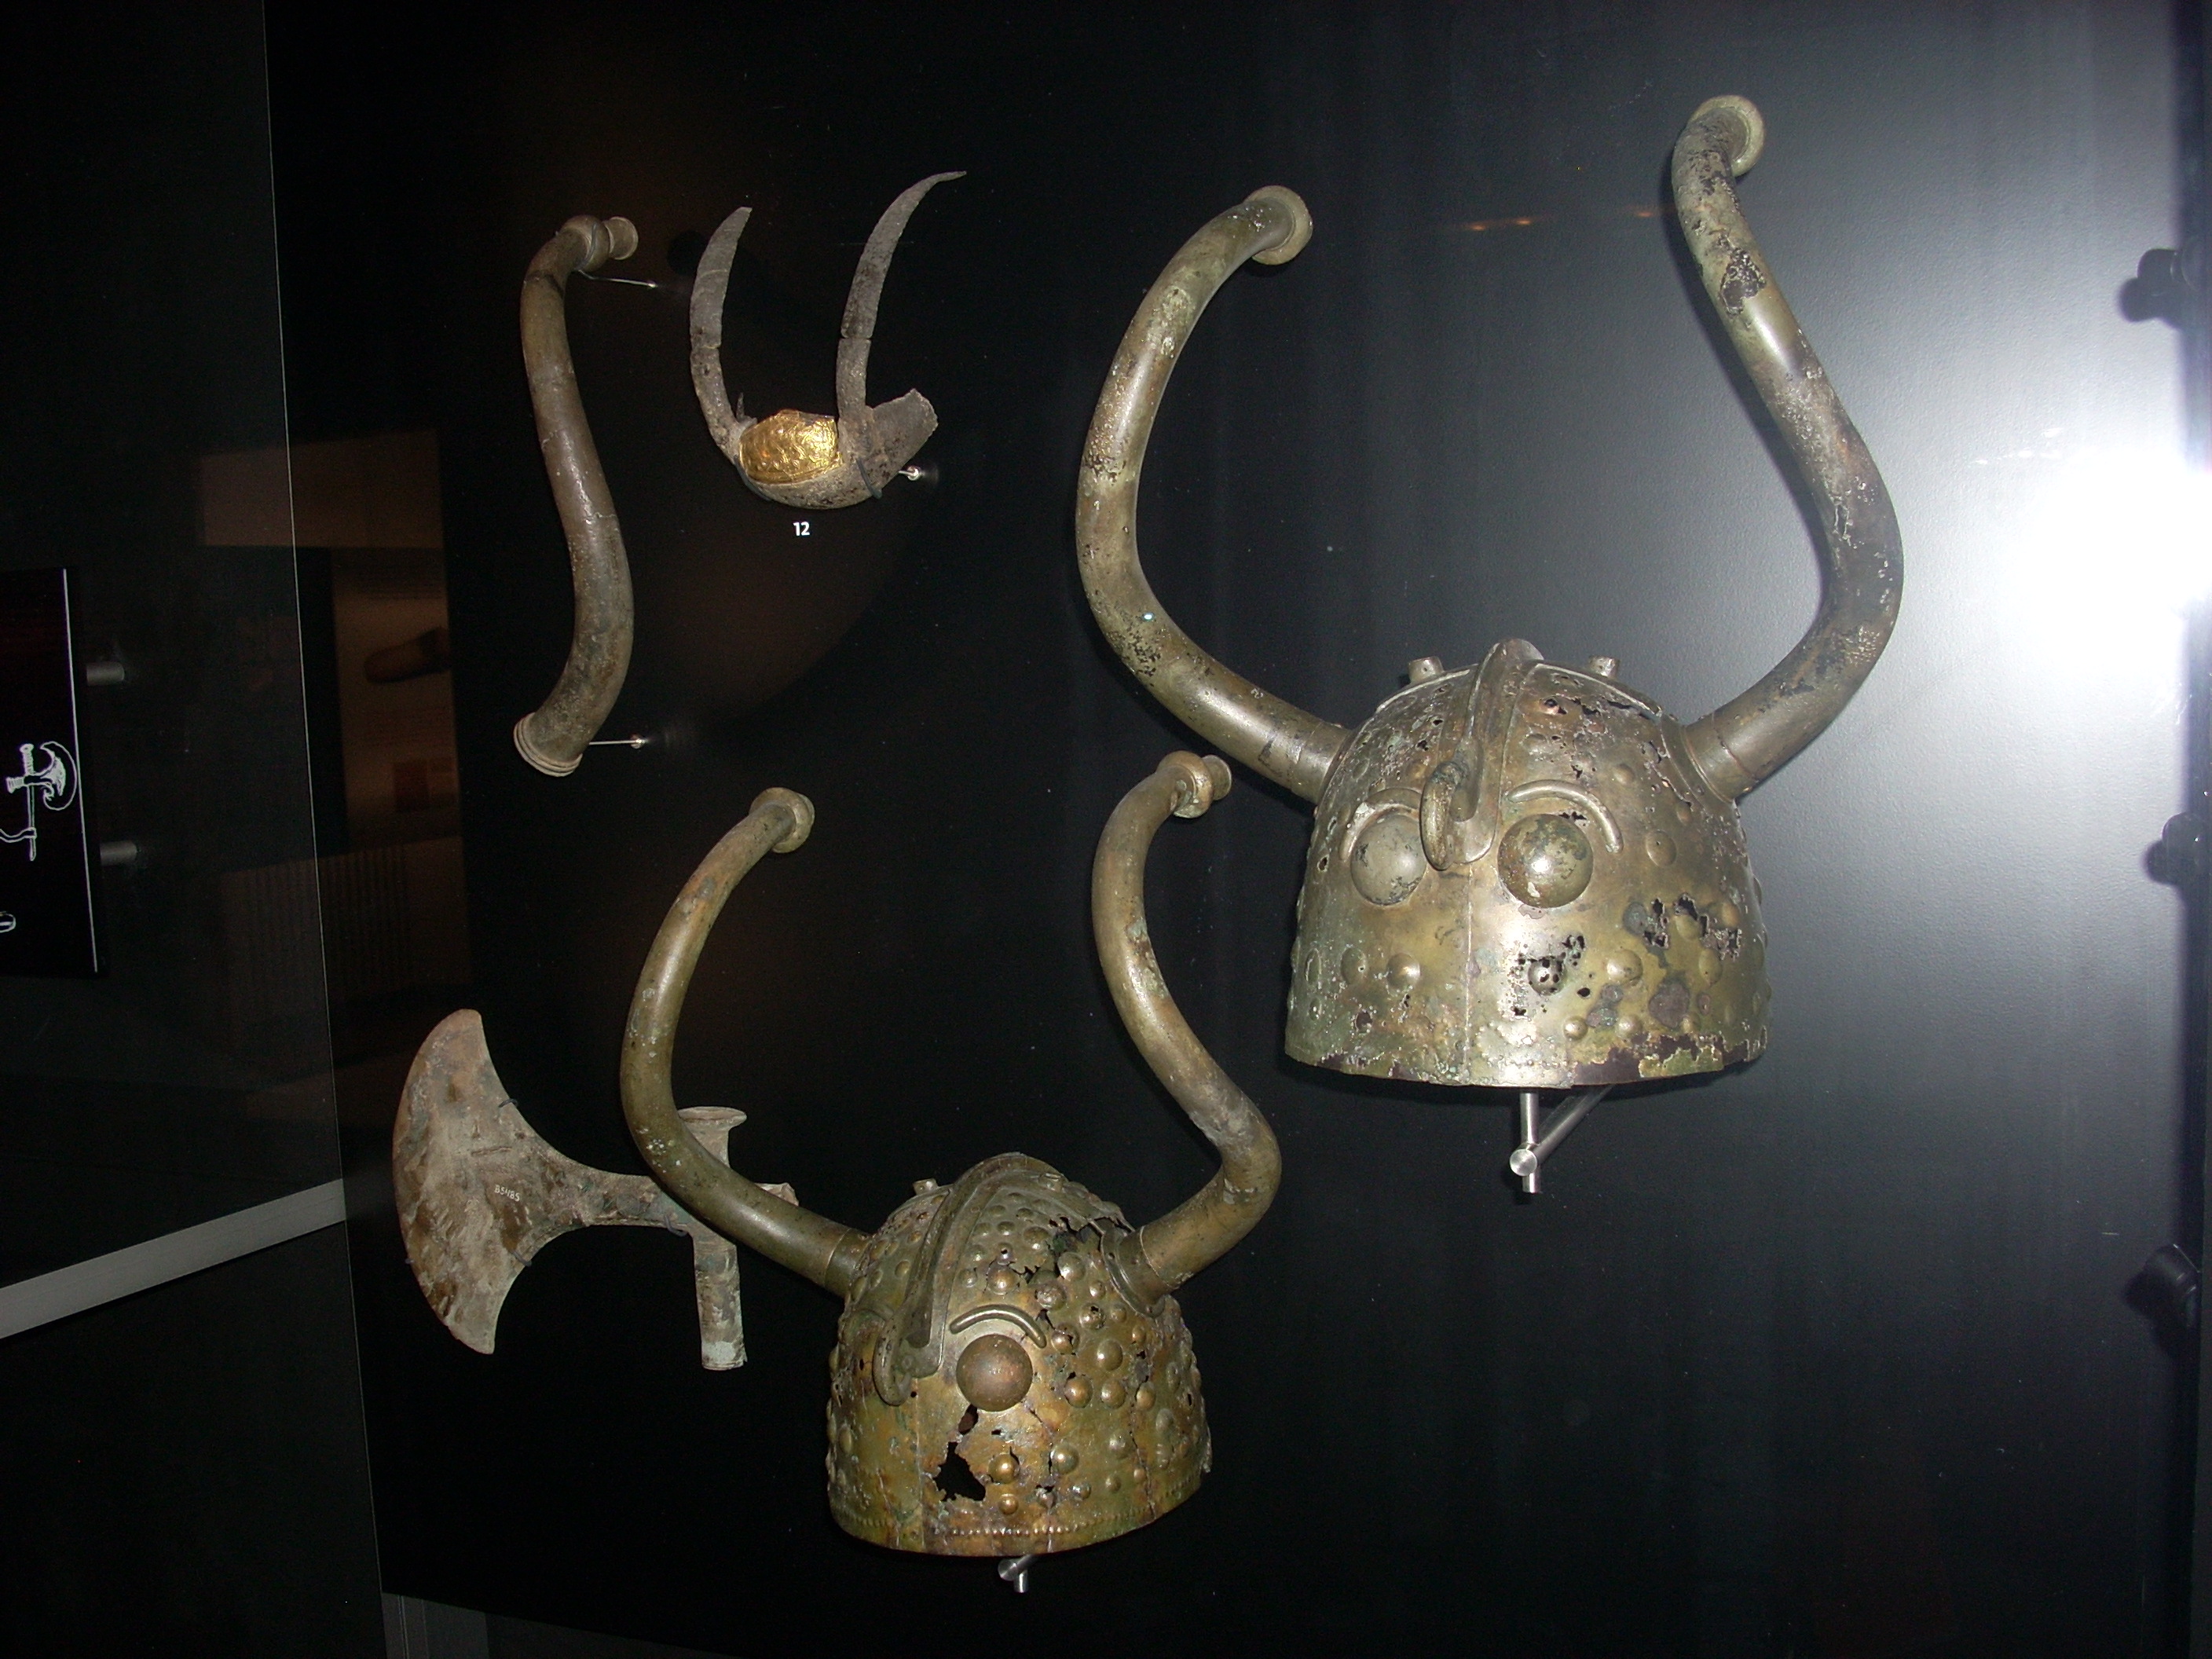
813, 460
1521, 875
1012, 1376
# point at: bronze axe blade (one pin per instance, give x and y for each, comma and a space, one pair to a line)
480, 1193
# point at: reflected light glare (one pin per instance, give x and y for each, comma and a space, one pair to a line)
2115, 533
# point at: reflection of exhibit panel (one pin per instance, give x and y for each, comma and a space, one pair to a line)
378, 921
46, 874
48, 779
401, 778
395, 696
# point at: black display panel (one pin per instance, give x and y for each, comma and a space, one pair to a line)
1834, 1354
202, 1049
46, 923
204, 1431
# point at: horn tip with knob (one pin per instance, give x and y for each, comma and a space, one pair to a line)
525, 745
802, 816
1301, 224
1745, 115
1205, 779
611, 238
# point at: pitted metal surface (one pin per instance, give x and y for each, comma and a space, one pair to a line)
1516, 881
480, 1193
553, 736
1012, 1376
998, 1389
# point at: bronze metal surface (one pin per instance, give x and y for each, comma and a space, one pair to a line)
1749, 738
552, 737
480, 1194
810, 460
1273, 738
1428, 949
1010, 1275
807, 1243
1202, 1229
1011, 1377
1521, 875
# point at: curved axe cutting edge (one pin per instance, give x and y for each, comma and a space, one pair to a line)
480, 1193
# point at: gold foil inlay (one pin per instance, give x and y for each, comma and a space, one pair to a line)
789, 447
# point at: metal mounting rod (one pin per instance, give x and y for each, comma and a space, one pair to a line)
1541, 1136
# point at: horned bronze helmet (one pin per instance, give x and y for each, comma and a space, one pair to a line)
813, 460
1012, 1376
800, 460
1521, 874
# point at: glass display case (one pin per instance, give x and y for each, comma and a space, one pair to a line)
1878, 1341
177, 1067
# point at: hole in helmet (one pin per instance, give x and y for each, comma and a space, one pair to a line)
1649, 921
953, 1477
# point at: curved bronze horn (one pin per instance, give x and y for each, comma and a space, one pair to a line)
1744, 742
824, 1250
1203, 1227
797, 458
552, 736
1275, 739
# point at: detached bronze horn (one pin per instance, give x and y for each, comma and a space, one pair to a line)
1012, 1375
813, 460
553, 736
1521, 875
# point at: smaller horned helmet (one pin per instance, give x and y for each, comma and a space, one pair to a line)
1521, 874
813, 460
1012, 1376
801, 460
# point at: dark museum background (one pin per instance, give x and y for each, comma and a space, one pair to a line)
1843, 1354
